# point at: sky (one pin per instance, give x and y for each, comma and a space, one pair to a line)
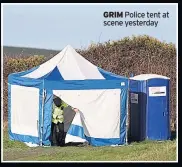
55, 26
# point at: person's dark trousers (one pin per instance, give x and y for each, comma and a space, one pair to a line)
53, 135
60, 134
57, 134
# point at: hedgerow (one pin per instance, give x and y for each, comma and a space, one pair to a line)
137, 55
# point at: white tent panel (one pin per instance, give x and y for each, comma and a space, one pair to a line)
69, 138
24, 110
77, 119
71, 65
89, 70
47, 67
98, 119
74, 67
69, 68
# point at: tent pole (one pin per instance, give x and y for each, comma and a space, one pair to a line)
42, 118
127, 114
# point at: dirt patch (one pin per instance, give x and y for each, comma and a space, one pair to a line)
5, 125
19, 154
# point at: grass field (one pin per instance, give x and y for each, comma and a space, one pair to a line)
143, 151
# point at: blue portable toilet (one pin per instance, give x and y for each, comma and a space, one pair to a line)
149, 107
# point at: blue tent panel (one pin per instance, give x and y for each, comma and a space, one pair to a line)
110, 76
55, 75
86, 84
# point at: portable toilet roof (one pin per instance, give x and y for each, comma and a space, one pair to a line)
143, 77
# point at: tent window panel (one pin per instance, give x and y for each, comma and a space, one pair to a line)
24, 110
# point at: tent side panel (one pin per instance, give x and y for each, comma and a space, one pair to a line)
23, 116
24, 106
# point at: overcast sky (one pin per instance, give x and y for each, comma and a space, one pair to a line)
55, 26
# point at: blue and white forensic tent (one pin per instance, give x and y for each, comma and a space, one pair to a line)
100, 96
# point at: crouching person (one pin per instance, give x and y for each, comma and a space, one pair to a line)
57, 127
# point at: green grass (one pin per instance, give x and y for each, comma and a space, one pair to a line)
143, 151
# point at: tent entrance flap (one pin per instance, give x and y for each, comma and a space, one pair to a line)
99, 115
69, 115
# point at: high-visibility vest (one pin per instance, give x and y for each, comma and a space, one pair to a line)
57, 115
64, 104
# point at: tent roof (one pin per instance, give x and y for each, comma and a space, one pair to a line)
69, 65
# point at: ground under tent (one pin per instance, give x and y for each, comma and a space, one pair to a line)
100, 96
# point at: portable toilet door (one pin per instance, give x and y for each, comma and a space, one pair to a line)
137, 99
157, 117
